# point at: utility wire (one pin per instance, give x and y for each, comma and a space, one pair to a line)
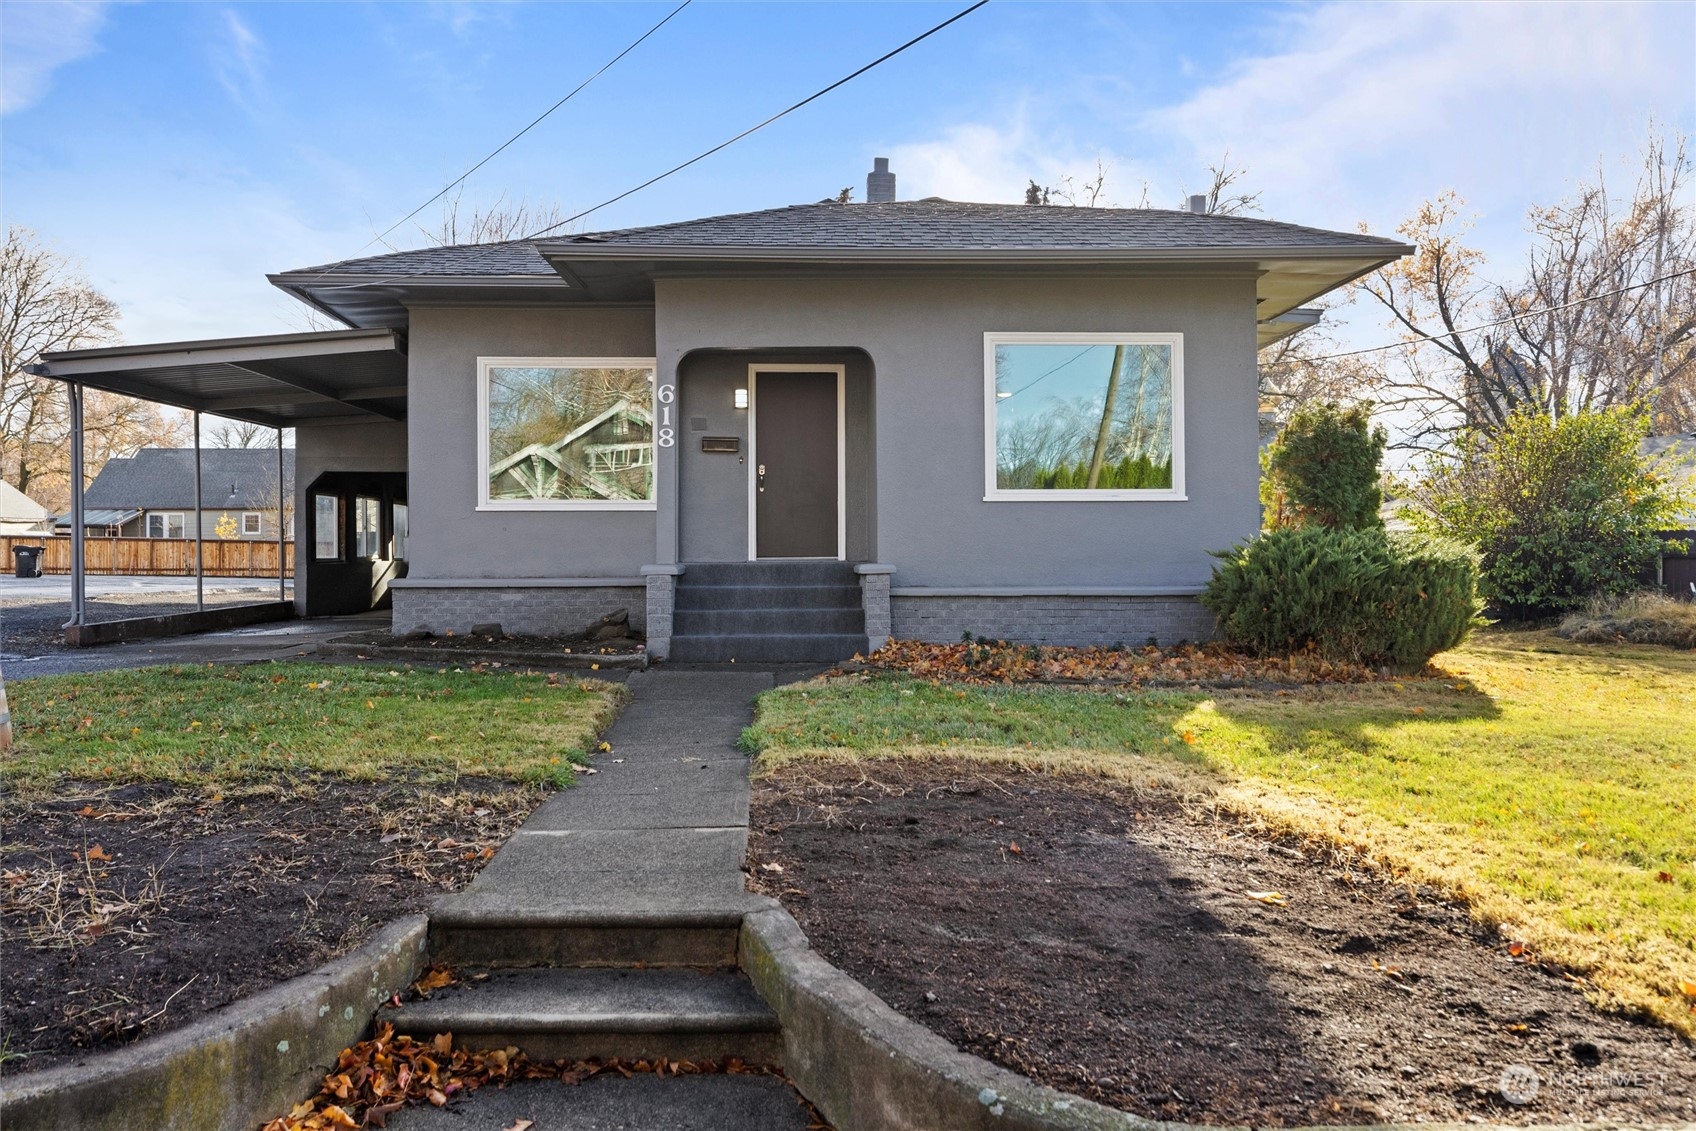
754, 129
1504, 321
463, 177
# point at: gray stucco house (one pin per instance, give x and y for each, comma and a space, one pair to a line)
781, 434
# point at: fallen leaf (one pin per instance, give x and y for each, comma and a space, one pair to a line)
522, 1125
99, 853
434, 979
771, 868
1516, 948
1663, 877
1687, 988
1274, 898
1013, 847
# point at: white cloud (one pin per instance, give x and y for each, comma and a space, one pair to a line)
983, 162
38, 39
238, 59
1371, 105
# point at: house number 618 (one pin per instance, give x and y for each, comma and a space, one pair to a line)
666, 395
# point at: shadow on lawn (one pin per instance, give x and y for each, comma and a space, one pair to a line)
1368, 719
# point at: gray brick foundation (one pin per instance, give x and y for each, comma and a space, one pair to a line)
522, 610
1059, 619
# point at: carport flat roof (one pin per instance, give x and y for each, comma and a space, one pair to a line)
278, 380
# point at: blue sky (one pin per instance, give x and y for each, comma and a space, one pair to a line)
183, 150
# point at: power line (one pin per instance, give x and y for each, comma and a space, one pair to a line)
1504, 321
1056, 369
754, 129
463, 177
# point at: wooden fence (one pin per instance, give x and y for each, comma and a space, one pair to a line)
161, 557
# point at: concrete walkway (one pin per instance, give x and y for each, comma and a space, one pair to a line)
624, 885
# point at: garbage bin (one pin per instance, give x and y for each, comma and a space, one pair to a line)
27, 560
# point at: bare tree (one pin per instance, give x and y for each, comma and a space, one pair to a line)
497, 223
1301, 370
1604, 315
45, 304
227, 433
1221, 199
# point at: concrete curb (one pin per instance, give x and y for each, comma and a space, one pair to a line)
235, 1069
177, 624
867, 1068
575, 661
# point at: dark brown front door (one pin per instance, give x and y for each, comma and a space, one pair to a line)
795, 468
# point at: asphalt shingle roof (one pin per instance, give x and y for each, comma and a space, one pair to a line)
907, 225
163, 479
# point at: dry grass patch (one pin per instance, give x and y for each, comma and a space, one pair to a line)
1641, 618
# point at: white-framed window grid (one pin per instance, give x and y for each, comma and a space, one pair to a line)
607, 458
252, 524
165, 524
993, 493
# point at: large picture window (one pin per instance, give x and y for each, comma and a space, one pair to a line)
567, 433
1084, 416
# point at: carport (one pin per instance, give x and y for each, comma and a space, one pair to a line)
277, 381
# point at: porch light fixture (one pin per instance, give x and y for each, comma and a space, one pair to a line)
741, 398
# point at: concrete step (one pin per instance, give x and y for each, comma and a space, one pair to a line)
775, 648
469, 931
768, 573
768, 622
577, 1014
706, 597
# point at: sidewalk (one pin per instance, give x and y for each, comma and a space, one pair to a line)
629, 887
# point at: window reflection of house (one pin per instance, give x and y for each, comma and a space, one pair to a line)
584, 463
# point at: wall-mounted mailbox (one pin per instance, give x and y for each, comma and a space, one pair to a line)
730, 444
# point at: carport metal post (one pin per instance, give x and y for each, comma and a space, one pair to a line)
282, 550
78, 564
199, 549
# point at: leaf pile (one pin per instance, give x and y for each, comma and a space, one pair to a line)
998, 662
376, 1078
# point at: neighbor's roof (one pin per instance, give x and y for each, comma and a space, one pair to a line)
15, 506
1296, 263
101, 516
163, 479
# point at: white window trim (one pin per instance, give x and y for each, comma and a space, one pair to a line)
484, 365
258, 524
165, 518
994, 494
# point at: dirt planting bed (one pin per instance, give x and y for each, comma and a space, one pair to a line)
1175, 962
129, 911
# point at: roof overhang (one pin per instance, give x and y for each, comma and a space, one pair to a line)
1288, 277
1290, 322
278, 380
377, 301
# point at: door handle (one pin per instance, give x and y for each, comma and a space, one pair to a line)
760, 482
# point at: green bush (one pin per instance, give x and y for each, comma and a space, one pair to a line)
1561, 511
1322, 470
1364, 596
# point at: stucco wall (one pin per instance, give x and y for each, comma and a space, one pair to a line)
924, 336
713, 486
362, 446
450, 537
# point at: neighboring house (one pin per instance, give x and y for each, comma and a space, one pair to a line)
1676, 573
781, 434
20, 514
151, 495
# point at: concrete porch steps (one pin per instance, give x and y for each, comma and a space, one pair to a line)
767, 612
470, 938
680, 1014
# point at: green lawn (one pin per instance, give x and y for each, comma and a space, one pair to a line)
227, 726
1551, 785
